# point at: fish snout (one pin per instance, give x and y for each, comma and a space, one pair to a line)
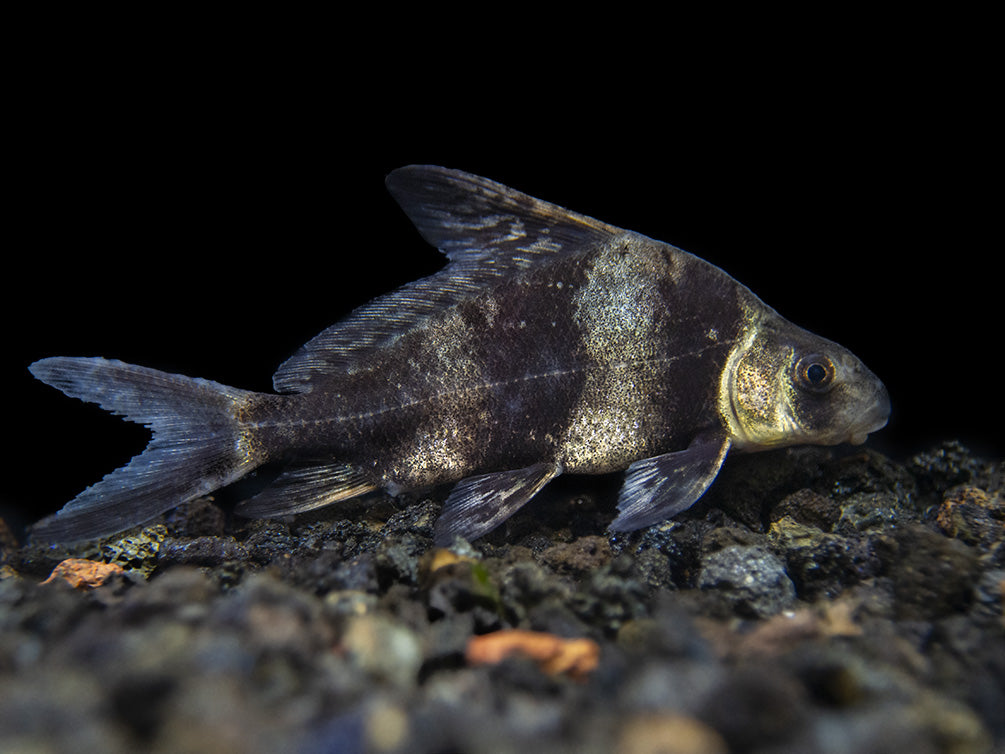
874, 418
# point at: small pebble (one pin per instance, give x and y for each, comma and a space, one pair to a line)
750, 579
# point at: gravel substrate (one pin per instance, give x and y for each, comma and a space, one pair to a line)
813, 601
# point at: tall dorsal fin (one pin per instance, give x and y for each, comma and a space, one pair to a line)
487, 231
465, 215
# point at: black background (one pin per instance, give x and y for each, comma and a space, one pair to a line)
209, 218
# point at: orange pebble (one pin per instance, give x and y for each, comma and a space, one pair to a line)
83, 574
553, 654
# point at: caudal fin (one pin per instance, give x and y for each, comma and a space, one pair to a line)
196, 445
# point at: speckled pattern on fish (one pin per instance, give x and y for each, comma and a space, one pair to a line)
550, 343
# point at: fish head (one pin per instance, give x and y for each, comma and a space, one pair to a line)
786, 386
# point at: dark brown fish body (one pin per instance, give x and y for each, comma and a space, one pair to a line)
551, 343
556, 365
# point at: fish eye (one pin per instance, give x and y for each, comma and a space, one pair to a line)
815, 372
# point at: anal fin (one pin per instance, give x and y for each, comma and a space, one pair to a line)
478, 505
660, 487
305, 486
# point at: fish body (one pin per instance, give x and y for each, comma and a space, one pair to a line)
550, 343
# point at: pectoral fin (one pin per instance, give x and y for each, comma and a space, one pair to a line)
479, 504
662, 486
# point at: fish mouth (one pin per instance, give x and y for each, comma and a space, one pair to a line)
872, 420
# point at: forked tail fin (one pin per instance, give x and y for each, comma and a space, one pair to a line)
197, 444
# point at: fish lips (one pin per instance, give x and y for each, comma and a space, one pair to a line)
872, 420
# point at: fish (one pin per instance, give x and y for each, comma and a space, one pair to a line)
550, 343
